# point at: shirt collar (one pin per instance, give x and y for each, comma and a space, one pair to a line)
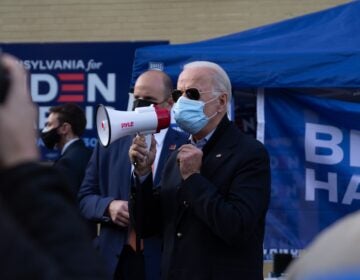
201, 143
160, 136
68, 144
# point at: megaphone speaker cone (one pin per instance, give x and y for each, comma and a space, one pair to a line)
102, 125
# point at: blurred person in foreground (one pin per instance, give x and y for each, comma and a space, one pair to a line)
105, 191
42, 236
213, 197
333, 254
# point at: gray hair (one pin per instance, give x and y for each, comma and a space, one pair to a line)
220, 78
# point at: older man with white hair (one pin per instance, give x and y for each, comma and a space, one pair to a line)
213, 197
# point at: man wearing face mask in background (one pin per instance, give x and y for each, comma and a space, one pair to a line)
105, 191
211, 205
63, 129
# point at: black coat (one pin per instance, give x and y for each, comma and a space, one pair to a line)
73, 164
42, 235
212, 222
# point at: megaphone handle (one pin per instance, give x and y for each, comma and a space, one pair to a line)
148, 141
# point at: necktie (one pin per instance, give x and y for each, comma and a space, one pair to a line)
132, 240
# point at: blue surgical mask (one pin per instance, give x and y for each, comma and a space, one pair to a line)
189, 114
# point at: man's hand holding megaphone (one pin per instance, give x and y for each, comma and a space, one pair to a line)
141, 156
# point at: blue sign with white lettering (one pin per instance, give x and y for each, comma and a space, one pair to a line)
85, 73
314, 145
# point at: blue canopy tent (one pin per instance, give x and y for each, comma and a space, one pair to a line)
315, 50
305, 74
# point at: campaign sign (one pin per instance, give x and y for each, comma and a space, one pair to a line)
314, 145
85, 73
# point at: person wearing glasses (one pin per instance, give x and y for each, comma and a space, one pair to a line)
105, 190
211, 203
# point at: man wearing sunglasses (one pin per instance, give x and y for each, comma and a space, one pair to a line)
105, 189
211, 205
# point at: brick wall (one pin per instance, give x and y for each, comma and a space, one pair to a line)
122, 20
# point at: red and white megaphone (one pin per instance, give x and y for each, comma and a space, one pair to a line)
112, 124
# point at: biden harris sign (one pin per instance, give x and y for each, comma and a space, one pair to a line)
314, 144
85, 73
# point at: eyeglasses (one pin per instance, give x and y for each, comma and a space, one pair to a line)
191, 93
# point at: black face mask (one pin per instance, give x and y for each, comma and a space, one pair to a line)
50, 138
142, 103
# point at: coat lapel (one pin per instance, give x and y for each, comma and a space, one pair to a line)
218, 149
173, 140
215, 160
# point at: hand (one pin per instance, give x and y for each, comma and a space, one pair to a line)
119, 212
189, 159
141, 157
17, 118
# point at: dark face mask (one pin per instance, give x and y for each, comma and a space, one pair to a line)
50, 138
141, 103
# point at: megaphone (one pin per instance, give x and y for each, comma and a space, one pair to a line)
112, 124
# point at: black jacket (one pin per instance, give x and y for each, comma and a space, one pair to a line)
213, 222
73, 164
42, 235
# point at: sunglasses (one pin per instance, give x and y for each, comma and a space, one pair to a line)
191, 93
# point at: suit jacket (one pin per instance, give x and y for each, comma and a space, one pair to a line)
212, 222
108, 178
73, 164
42, 235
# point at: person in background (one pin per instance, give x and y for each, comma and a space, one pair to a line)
63, 129
105, 191
210, 207
42, 235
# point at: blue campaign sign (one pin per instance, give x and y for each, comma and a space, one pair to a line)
86, 73
314, 144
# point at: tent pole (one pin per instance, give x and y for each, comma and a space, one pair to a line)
260, 115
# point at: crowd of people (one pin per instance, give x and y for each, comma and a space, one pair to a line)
190, 206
